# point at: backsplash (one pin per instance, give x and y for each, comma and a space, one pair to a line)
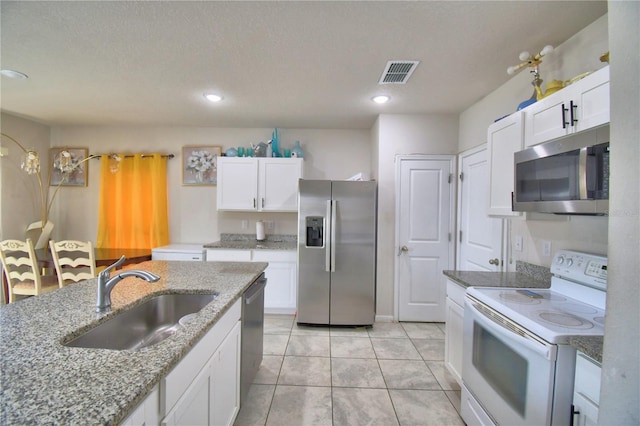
537, 272
252, 237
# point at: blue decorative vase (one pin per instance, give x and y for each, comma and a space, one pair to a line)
297, 151
275, 148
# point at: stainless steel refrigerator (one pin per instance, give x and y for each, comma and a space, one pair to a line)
337, 252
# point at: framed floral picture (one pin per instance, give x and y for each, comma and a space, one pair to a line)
199, 165
69, 166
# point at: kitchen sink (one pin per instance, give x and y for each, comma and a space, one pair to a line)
143, 325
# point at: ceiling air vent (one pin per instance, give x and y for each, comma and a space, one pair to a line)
398, 72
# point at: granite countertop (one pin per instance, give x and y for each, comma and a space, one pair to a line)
496, 279
589, 345
249, 242
44, 382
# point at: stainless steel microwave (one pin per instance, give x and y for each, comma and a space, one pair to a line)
569, 175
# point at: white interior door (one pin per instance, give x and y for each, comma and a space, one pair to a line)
424, 222
479, 235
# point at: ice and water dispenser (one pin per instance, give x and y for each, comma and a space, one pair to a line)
315, 231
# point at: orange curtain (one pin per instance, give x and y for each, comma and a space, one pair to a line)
133, 203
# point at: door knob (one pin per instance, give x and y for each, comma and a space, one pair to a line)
403, 249
495, 261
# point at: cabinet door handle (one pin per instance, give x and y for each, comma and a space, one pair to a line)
574, 111
573, 414
564, 117
495, 261
254, 203
263, 203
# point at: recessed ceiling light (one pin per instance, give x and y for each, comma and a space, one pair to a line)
14, 74
381, 99
213, 97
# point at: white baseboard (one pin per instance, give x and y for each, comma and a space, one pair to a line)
280, 311
384, 318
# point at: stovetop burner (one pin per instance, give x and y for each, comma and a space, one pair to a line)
515, 297
564, 319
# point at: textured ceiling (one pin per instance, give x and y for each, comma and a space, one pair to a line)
278, 64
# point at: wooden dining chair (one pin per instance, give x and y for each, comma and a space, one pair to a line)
22, 271
74, 261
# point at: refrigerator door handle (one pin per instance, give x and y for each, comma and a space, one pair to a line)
334, 208
327, 247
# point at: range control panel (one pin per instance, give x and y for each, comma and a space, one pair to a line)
587, 268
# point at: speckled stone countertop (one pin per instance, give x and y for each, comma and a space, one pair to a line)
249, 242
527, 275
589, 345
496, 279
44, 382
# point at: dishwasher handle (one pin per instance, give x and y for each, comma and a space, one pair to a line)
254, 290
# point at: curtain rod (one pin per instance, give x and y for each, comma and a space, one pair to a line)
167, 156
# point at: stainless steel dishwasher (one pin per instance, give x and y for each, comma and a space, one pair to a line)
252, 334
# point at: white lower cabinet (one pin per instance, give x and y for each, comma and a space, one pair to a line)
193, 406
225, 380
454, 329
204, 388
586, 391
280, 294
147, 412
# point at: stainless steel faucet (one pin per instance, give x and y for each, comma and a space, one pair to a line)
106, 283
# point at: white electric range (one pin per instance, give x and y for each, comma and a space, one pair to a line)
518, 366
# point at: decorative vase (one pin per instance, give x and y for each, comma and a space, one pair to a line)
199, 176
275, 148
40, 234
297, 151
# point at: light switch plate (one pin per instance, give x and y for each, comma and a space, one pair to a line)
245, 224
517, 243
546, 248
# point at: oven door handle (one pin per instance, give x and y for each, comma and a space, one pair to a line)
534, 344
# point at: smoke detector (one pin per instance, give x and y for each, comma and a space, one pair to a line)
398, 72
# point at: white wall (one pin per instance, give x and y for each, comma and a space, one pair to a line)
20, 192
193, 218
619, 396
402, 134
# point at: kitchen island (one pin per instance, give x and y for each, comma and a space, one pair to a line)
44, 382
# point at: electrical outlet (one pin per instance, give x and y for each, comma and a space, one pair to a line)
546, 248
245, 224
269, 224
517, 243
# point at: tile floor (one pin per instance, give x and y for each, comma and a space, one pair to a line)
390, 374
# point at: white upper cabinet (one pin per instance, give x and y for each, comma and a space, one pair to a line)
580, 106
504, 138
258, 184
278, 184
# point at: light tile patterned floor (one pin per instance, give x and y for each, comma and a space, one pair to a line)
390, 374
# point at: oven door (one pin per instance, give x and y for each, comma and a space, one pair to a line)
508, 370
